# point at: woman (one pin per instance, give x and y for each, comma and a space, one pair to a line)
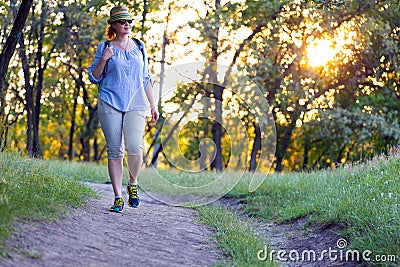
125, 92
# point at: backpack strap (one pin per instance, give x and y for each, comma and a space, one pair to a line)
141, 48
105, 66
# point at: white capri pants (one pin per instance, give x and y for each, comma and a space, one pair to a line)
122, 130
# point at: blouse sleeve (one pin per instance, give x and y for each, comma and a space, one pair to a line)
99, 53
146, 69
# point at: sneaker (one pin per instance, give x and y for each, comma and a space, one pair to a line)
134, 200
118, 205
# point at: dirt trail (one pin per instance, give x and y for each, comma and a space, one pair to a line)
153, 235
298, 240
156, 234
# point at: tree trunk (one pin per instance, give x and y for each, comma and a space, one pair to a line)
256, 148
203, 149
4, 135
217, 127
153, 144
28, 96
157, 144
37, 151
283, 143
91, 120
305, 155
144, 14
11, 42
91, 124
340, 155
95, 149
73, 122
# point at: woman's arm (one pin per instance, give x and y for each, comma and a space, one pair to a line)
98, 70
147, 82
149, 94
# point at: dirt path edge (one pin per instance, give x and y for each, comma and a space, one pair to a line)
153, 235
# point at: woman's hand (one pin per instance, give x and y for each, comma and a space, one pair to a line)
108, 53
153, 106
154, 113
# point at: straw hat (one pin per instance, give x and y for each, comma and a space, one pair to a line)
119, 12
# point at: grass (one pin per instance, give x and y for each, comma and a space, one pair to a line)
364, 199
30, 190
235, 237
82, 171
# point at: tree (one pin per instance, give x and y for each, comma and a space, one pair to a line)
5, 57
270, 41
296, 90
11, 42
34, 68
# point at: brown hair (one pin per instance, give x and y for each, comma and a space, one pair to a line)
110, 32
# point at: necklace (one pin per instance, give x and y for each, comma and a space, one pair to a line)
127, 42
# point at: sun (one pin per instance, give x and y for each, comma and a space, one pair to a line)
320, 52
323, 50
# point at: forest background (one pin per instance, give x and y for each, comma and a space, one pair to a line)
328, 70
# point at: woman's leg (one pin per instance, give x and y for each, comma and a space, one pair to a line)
133, 132
134, 163
111, 123
115, 170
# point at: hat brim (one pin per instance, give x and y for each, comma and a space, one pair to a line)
119, 17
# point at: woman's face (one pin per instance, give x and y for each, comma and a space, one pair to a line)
122, 27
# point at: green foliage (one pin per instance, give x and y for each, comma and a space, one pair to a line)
301, 96
374, 132
30, 190
270, 39
236, 238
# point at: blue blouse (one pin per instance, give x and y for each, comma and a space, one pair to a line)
125, 80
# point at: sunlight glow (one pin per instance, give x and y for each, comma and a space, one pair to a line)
320, 52
339, 47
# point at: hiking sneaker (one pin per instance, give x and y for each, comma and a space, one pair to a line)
134, 200
118, 205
